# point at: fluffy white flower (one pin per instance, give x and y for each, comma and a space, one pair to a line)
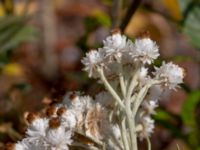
20, 146
73, 100
96, 122
115, 45
37, 128
30, 144
143, 77
70, 118
173, 74
148, 127
116, 41
150, 105
93, 59
144, 50
59, 138
116, 131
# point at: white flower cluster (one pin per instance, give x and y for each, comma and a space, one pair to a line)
56, 129
115, 118
120, 58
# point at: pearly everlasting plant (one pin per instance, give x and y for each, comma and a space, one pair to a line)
115, 118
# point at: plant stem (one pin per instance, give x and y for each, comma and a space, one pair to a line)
131, 125
140, 98
148, 143
116, 10
109, 87
121, 80
124, 134
131, 10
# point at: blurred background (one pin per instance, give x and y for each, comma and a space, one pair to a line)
42, 42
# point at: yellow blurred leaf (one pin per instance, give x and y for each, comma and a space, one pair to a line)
174, 7
1, 11
19, 8
13, 69
5, 127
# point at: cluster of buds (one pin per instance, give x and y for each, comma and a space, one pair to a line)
115, 118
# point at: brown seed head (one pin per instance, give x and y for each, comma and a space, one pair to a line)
72, 96
115, 31
54, 123
51, 111
10, 146
144, 34
31, 117
61, 111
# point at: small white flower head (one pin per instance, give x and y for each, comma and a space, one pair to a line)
37, 128
116, 131
116, 41
93, 59
144, 50
31, 144
143, 76
73, 100
20, 146
149, 106
148, 127
171, 73
59, 138
143, 73
96, 122
70, 118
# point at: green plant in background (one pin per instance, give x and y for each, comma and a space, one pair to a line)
14, 30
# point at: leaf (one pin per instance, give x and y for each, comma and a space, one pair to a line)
13, 69
191, 20
26, 34
167, 120
188, 110
174, 8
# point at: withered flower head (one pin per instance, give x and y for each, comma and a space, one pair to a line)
54, 122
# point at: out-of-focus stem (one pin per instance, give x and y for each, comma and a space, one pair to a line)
148, 143
49, 27
116, 9
131, 10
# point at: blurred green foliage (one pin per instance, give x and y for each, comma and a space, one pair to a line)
191, 20
13, 32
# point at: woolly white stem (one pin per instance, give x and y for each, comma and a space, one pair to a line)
141, 95
140, 98
109, 87
148, 143
124, 134
131, 125
121, 80
122, 84
133, 82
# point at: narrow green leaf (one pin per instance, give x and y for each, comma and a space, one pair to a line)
188, 110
